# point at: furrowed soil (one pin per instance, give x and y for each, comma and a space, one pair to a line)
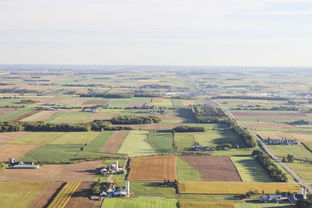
84, 171
80, 198
45, 197
155, 168
114, 142
25, 115
214, 168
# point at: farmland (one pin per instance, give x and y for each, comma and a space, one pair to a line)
139, 203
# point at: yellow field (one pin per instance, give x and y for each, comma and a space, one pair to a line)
235, 187
206, 205
274, 134
64, 195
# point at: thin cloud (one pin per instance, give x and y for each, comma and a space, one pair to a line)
285, 13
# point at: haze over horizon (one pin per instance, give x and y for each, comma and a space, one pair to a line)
138, 32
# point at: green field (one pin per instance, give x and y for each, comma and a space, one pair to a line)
161, 142
139, 203
250, 170
303, 170
38, 137
262, 205
19, 194
98, 141
69, 117
152, 189
53, 153
185, 172
299, 151
14, 114
35, 116
136, 144
76, 138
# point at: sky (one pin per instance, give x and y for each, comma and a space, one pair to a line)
157, 32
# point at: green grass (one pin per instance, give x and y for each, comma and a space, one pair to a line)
139, 203
38, 137
299, 151
262, 205
250, 170
98, 141
136, 144
184, 141
303, 170
161, 142
53, 153
20, 194
14, 114
152, 189
186, 172
76, 138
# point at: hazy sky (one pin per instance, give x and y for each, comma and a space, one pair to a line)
161, 32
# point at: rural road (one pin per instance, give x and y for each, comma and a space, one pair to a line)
260, 141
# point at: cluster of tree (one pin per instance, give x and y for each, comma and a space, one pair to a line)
300, 122
271, 168
156, 86
206, 114
36, 80
26, 102
250, 97
9, 126
107, 95
189, 129
305, 203
14, 90
134, 119
142, 94
82, 85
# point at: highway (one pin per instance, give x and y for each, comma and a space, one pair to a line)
260, 141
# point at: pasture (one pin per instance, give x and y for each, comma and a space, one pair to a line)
303, 170
235, 187
299, 151
154, 168
20, 194
139, 203
161, 142
136, 144
152, 189
250, 170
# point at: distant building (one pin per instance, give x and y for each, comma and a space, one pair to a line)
282, 141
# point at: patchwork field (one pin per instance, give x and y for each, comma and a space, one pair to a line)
185, 172
114, 142
25, 115
235, 187
6, 137
20, 194
194, 204
155, 168
15, 150
270, 116
84, 171
139, 203
136, 144
213, 168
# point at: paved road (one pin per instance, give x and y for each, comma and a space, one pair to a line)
262, 144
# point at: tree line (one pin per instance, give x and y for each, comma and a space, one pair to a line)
270, 167
134, 119
189, 129
207, 114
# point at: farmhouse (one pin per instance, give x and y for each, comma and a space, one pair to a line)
271, 198
282, 141
20, 165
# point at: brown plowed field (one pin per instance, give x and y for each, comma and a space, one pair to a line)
15, 150
157, 100
154, 126
4, 111
269, 125
154, 168
6, 137
25, 115
135, 104
84, 171
45, 197
113, 143
168, 117
46, 116
213, 168
56, 99
80, 197
75, 100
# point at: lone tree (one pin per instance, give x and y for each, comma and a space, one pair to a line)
290, 158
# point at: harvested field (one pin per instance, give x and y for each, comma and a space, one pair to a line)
270, 116
235, 187
168, 117
45, 116
154, 126
214, 168
4, 111
197, 204
56, 99
102, 116
114, 142
135, 104
15, 150
269, 125
154, 168
188, 102
45, 197
157, 100
64, 195
274, 134
80, 198
84, 171
6, 137
95, 102
25, 115
76, 100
